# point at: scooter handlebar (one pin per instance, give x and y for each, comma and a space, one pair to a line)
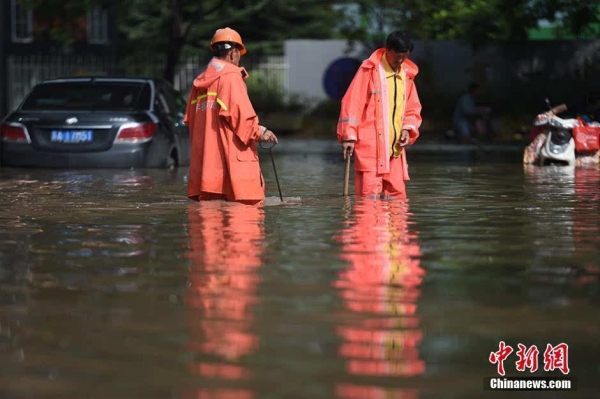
557, 122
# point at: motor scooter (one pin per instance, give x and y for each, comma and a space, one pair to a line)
559, 146
552, 142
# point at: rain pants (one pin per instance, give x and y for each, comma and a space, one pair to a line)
223, 134
365, 118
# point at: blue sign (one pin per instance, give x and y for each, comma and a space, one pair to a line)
339, 75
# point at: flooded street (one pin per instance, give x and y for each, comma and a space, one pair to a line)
114, 285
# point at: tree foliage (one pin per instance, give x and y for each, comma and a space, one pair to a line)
265, 31
474, 21
174, 26
171, 27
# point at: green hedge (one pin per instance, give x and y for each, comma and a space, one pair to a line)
268, 95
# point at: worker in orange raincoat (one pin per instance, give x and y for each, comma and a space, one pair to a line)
380, 115
224, 128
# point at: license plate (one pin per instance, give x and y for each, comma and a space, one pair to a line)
71, 136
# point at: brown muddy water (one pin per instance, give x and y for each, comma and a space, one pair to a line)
114, 285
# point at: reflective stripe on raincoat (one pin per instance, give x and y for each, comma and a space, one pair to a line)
223, 134
364, 115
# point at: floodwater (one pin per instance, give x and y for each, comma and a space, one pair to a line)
114, 285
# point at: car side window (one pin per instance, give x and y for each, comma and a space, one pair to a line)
176, 102
161, 104
143, 100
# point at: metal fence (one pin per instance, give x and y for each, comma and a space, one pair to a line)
24, 72
274, 72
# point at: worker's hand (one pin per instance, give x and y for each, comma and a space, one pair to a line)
348, 145
268, 136
404, 136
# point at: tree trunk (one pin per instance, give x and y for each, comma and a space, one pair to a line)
173, 52
176, 40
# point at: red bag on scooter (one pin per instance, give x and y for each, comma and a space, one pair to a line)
587, 138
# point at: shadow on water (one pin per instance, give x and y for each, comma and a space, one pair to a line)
113, 284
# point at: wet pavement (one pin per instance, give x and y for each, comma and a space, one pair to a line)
114, 285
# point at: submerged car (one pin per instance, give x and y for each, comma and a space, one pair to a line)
97, 122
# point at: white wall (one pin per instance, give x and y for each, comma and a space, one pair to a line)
532, 69
308, 60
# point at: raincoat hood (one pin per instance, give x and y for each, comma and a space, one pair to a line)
214, 70
410, 68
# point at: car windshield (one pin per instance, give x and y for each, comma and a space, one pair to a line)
95, 96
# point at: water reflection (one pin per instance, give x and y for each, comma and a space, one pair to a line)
92, 284
585, 226
225, 253
380, 288
564, 206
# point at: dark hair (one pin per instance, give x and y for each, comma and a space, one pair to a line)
399, 41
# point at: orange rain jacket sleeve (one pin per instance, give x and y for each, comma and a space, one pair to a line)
223, 133
363, 115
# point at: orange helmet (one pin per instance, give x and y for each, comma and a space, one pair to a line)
227, 35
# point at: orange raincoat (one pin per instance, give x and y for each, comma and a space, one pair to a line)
223, 132
364, 115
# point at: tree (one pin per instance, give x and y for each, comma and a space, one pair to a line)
170, 27
475, 21
370, 21
283, 19
164, 27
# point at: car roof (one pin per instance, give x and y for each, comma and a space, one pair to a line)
92, 79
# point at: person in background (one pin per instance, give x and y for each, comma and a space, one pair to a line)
224, 129
380, 115
469, 120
